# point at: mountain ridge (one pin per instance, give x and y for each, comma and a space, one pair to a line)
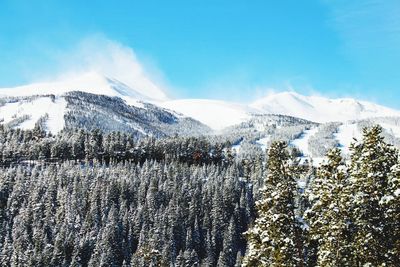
216, 114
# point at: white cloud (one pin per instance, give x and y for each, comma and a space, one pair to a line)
99, 54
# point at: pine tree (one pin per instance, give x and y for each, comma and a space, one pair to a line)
391, 205
327, 217
371, 163
274, 238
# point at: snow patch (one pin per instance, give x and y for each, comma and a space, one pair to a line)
392, 129
214, 113
302, 142
36, 109
263, 142
346, 134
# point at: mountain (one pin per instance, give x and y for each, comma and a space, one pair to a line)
219, 114
216, 114
320, 109
92, 101
89, 82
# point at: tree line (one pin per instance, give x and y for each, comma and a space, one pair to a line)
18, 146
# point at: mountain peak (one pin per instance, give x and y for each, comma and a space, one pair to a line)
89, 82
320, 109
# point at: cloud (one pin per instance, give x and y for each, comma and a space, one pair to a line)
96, 53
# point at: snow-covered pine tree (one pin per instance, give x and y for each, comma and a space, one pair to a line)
274, 239
391, 205
371, 163
327, 217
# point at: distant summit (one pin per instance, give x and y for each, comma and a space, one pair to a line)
216, 114
321, 109
89, 82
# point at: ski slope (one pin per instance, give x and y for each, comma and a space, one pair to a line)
346, 134
36, 109
302, 142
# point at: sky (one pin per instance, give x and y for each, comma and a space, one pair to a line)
232, 50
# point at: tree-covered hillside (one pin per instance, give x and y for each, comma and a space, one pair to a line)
88, 198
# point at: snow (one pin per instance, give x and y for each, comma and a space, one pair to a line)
392, 129
346, 134
214, 113
89, 82
56, 111
36, 109
302, 142
236, 148
263, 142
397, 192
320, 109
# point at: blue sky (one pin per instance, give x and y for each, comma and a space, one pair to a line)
233, 50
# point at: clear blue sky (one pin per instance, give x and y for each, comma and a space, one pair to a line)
220, 48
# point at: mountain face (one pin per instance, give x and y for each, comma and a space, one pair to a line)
221, 114
320, 109
214, 113
89, 82
90, 111
312, 124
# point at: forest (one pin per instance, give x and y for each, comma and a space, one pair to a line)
88, 198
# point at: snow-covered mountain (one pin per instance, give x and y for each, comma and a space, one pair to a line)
129, 108
221, 114
320, 109
93, 101
89, 82
216, 114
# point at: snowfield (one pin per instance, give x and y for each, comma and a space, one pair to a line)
346, 134
90, 82
264, 142
392, 129
320, 109
303, 145
214, 113
302, 142
35, 110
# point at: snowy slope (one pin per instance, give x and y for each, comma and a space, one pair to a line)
346, 134
34, 110
90, 82
213, 113
392, 129
320, 109
220, 114
302, 142
264, 142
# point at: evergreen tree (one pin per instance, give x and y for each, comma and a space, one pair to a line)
274, 239
391, 205
328, 215
371, 163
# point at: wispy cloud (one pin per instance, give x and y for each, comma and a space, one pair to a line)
96, 53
